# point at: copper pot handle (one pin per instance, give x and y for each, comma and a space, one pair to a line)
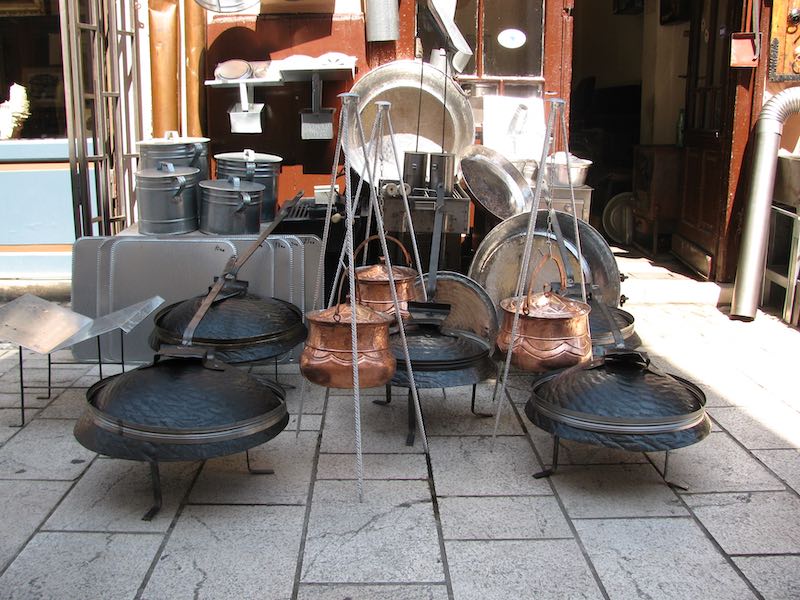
336, 316
362, 245
537, 269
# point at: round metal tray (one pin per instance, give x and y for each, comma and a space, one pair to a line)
417, 93
471, 308
498, 259
494, 183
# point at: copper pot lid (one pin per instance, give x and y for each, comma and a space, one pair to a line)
546, 305
231, 70
342, 313
380, 273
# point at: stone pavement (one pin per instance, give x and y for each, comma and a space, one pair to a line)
467, 521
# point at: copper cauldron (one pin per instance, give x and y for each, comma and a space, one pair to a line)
553, 331
327, 358
372, 282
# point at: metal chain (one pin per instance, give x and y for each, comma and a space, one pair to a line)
384, 107
348, 102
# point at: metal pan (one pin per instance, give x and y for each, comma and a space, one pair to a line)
494, 184
497, 260
419, 108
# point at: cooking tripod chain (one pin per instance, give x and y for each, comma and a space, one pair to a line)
557, 107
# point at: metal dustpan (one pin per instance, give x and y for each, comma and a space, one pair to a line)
316, 123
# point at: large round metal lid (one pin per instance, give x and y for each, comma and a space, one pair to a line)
471, 308
620, 394
227, 185
249, 156
433, 349
186, 397
494, 183
429, 111
236, 320
167, 174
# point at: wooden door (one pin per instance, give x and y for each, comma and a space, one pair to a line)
710, 101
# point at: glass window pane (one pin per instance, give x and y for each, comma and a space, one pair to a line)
512, 38
467, 22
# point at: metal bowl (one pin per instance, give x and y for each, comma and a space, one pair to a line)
422, 98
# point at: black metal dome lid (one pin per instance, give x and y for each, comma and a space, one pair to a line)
622, 401
475, 372
179, 393
433, 349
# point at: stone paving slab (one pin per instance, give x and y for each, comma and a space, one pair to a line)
468, 466
376, 466
24, 505
10, 399
80, 565
717, 464
775, 577
383, 428
372, 592
226, 480
616, 491
113, 495
771, 426
452, 416
389, 537
752, 523
498, 518
229, 552
44, 449
659, 558
10, 420
784, 463
501, 570
70, 404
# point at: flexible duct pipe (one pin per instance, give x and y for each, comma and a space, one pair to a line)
753, 249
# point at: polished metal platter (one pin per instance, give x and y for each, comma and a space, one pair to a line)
498, 259
430, 113
471, 308
494, 183
38, 324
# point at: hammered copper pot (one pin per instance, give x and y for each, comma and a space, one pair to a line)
553, 331
327, 358
372, 282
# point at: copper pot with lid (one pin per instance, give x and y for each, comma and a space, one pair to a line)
553, 331
327, 358
372, 282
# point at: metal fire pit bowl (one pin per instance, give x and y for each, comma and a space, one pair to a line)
418, 110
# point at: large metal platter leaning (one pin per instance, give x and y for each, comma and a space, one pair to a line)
422, 97
618, 218
471, 308
494, 183
498, 259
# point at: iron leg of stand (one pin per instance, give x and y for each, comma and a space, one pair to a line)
388, 397
99, 358
472, 404
554, 466
49, 379
21, 393
674, 484
256, 471
156, 479
412, 422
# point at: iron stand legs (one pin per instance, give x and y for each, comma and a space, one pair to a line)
156, 479
285, 386
21, 393
388, 398
412, 423
482, 415
554, 466
664, 475
254, 471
